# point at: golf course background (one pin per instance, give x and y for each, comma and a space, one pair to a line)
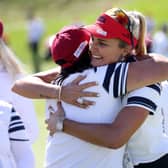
55, 15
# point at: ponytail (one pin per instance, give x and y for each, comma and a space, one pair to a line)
141, 46
138, 25
10, 61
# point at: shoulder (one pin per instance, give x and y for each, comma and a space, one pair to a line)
5, 105
5, 111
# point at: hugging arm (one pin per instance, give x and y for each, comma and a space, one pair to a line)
147, 72
39, 86
111, 135
129, 119
140, 74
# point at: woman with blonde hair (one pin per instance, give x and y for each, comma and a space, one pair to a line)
137, 121
10, 70
15, 146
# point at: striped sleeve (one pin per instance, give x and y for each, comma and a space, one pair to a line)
120, 79
16, 127
147, 97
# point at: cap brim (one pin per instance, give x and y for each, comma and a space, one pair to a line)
96, 30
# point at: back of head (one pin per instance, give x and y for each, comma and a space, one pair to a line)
70, 45
129, 27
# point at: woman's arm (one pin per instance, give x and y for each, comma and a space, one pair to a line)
137, 105
39, 86
146, 72
35, 87
112, 135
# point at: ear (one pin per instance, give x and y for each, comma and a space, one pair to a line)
127, 50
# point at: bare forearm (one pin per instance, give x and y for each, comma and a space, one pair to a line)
99, 134
147, 72
33, 87
38, 85
112, 135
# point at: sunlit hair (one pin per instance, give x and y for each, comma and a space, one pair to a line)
8, 59
138, 24
135, 23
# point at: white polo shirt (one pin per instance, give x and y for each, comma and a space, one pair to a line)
64, 150
22, 105
12, 129
149, 142
164, 102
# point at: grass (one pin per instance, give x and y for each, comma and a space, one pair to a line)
56, 14
39, 145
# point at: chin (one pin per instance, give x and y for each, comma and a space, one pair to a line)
97, 64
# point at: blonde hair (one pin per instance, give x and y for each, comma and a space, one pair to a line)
137, 27
12, 65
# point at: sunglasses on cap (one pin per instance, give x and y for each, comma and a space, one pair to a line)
124, 20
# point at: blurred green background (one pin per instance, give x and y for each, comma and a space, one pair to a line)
55, 15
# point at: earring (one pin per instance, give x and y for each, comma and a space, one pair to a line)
122, 58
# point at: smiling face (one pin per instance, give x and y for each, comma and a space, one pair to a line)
106, 51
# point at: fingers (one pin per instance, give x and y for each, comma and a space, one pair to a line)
51, 109
84, 106
52, 132
78, 79
86, 93
87, 85
59, 105
50, 128
85, 103
60, 110
88, 102
89, 94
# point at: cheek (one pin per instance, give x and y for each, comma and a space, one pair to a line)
112, 56
93, 51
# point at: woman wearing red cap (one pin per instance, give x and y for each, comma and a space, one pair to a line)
140, 121
137, 108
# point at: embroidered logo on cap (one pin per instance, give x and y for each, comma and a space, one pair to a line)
80, 49
101, 32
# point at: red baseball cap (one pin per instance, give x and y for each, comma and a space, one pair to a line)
1, 29
107, 27
69, 44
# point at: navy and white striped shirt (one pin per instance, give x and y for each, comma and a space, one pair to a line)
16, 127
12, 129
112, 88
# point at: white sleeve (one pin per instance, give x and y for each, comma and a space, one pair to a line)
26, 109
23, 154
20, 144
147, 97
